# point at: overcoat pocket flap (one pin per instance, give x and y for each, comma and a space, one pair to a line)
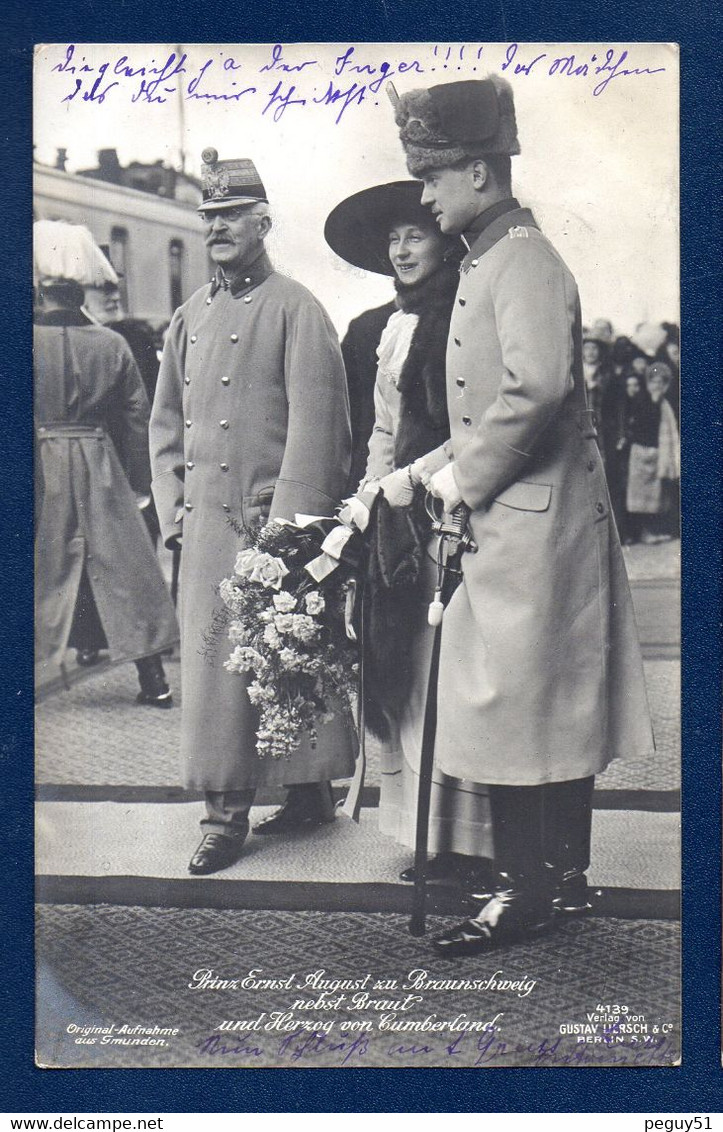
525, 496
263, 498
257, 507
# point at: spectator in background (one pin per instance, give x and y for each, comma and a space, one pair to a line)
627, 410
669, 353
654, 469
602, 331
600, 389
98, 584
104, 306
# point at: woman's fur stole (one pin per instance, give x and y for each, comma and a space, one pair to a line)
398, 536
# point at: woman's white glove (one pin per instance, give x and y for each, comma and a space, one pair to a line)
424, 468
444, 486
398, 488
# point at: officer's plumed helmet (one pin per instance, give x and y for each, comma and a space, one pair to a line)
445, 124
67, 253
228, 184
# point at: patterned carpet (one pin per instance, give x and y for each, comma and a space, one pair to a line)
94, 734
102, 966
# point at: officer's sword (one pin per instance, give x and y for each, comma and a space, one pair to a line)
454, 540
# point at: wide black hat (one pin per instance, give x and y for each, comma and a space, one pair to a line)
358, 228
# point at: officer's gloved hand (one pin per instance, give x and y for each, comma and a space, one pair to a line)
425, 467
398, 488
444, 486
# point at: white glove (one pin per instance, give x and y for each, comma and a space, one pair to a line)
398, 488
444, 486
424, 468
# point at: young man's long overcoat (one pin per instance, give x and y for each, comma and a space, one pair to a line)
91, 414
250, 419
540, 674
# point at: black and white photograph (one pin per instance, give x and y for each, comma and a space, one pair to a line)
357, 555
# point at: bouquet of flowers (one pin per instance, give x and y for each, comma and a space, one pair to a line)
289, 631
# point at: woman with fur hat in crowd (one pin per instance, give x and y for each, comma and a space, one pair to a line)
395, 358
98, 584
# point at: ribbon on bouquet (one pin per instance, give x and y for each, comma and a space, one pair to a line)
343, 542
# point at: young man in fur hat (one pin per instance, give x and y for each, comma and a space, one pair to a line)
250, 421
540, 680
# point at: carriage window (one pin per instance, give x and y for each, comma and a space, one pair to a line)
175, 272
118, 251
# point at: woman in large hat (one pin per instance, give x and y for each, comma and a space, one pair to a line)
395, 358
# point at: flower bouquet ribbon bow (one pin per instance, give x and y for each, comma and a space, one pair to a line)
292, 603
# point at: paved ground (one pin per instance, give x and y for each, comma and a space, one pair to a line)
122, 928
94, 734
136, 966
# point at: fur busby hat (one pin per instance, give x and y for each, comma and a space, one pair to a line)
228, 184
443, 125
358, 228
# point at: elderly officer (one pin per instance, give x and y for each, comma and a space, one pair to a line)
250, 421
540, 681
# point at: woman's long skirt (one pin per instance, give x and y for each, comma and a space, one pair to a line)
459, 819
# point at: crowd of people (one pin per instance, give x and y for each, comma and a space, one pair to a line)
633, 385
475, 386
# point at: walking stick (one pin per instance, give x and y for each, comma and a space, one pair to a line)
453, 541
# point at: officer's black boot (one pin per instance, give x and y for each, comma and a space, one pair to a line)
520, 904
568, 824
307, 805
152, 679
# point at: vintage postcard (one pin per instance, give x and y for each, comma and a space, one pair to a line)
439, 281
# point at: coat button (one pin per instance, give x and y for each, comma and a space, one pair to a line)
457, 342
190, 465
188, 424
591, 465
462, 302
223, 467
224, 424
474, 262
225, 506
461, 382
225, 380
247, 298
209, 300
234, 337
247, 280
194, 338
188, 506
186, 381
599, 507
467, 420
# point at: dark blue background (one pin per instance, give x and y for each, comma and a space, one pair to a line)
696, 1086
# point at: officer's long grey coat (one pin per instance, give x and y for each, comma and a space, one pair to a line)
91, 414
250, 418
540, 674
